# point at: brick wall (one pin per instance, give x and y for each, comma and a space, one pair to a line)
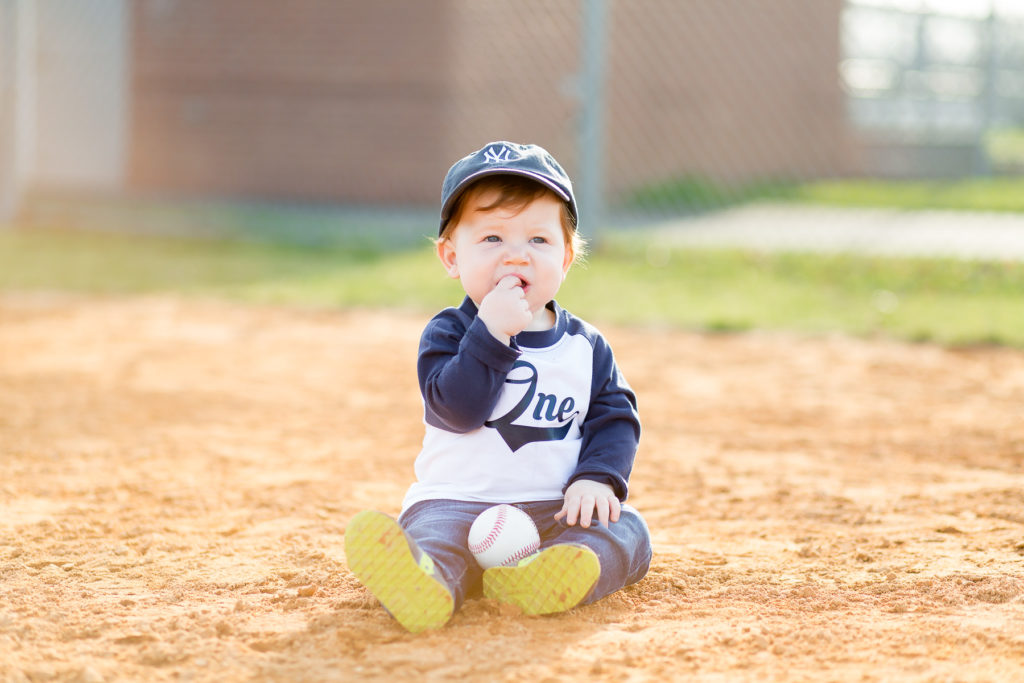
731, 89
369, 102
306, 99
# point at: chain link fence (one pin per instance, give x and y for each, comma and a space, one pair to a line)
660, 109
932, 93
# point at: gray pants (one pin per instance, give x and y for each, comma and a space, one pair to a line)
441, 527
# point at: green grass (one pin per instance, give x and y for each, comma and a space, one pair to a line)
977, 194
695, 193
99, 263
624, 282
946, 301
1001, 193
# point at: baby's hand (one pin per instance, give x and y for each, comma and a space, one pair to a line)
505, 310
581, 499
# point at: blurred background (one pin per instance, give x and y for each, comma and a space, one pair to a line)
700, 136
658, 108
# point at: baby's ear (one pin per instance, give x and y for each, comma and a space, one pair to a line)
446, 253
570, 258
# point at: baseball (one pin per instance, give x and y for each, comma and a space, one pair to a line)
501, 536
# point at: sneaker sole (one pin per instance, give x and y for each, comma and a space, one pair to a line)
554, 580
380, 557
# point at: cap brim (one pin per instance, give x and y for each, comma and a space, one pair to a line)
470, 179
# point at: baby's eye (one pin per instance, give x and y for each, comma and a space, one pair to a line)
492, 238
539, 240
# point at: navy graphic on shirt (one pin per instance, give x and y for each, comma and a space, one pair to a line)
548, 408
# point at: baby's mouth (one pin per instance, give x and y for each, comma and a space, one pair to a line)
522, 283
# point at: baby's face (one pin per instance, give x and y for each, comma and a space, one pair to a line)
486, 246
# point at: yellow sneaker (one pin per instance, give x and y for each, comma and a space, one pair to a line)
397, 572
553, 580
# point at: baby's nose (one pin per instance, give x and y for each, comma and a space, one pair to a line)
515, 252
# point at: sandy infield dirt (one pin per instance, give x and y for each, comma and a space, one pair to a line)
176, 477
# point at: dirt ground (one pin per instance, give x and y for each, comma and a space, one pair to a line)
176, 477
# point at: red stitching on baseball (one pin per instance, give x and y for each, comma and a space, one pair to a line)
523, 552
488, 541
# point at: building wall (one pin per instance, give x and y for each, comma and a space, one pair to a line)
731, 90
337, 100
63, 97
80, 88
512, 75
369, 102
8, 112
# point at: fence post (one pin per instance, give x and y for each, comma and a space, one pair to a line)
590, 194
982, 163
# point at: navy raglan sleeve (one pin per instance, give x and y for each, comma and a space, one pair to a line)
611, 431
462, 369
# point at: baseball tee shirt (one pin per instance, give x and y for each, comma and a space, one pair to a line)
520, 422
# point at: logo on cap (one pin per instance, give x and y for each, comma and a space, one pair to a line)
504, 154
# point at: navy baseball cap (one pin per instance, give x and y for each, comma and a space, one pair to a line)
505, 158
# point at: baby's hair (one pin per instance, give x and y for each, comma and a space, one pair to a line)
514, 193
